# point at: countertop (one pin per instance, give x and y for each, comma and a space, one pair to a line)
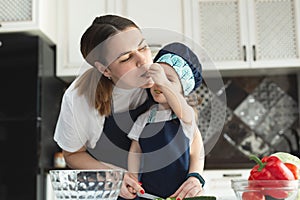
218, 183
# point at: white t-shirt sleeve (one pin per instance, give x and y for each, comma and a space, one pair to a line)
138, 126
78, 124
65, 132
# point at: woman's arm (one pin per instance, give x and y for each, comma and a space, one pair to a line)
82, 160
134, 158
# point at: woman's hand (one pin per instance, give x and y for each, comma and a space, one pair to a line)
130, 187
190, 188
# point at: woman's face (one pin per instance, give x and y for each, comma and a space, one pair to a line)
131, 59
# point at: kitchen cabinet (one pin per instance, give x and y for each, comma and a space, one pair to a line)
243, 34
162, 22
74, 18
33, 16
154, 17
166, 14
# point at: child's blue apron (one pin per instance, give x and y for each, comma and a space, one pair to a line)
113, 146
166, 151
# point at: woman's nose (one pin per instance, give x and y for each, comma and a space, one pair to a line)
141, 58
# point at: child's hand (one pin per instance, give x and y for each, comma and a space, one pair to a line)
190, 188
157, 73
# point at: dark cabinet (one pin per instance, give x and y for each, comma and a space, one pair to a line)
29, 107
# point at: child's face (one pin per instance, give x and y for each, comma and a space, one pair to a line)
172, 76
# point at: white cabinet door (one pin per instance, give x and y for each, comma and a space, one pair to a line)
161, 21
74, 18
163, 14
244, 34
274, 33
32, 16
220, 28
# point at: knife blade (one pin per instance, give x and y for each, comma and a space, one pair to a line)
149, 196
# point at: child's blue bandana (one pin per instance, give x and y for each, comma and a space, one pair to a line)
185, 62
185, 74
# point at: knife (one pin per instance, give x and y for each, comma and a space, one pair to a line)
149, 196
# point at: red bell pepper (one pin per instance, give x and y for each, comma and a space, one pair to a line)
294, 169
270, 168
253, 196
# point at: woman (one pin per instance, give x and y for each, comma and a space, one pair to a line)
100, 106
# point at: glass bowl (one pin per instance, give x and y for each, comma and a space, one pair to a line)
265, 189
86, 184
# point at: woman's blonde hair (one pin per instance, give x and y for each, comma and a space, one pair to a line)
93, 84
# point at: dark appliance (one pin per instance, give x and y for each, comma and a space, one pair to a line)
29, 107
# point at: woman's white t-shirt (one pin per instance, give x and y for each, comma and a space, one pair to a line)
80, 125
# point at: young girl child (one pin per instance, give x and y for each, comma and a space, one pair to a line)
165, 139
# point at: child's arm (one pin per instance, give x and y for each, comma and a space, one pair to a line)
192, 186
134, 158
197, 154
175, 99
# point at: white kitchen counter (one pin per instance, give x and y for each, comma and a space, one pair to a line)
218, 183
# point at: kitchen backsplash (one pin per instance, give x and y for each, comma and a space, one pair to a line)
262, 116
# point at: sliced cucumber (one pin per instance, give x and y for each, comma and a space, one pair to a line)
191, 198
202, 198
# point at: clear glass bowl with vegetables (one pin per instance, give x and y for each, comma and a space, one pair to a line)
273, 177
265, 189
86, 184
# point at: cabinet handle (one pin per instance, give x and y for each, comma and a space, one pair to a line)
245, 53
254, 52
232, 175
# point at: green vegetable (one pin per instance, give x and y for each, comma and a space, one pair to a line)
271, 198
201, 198
191, 198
